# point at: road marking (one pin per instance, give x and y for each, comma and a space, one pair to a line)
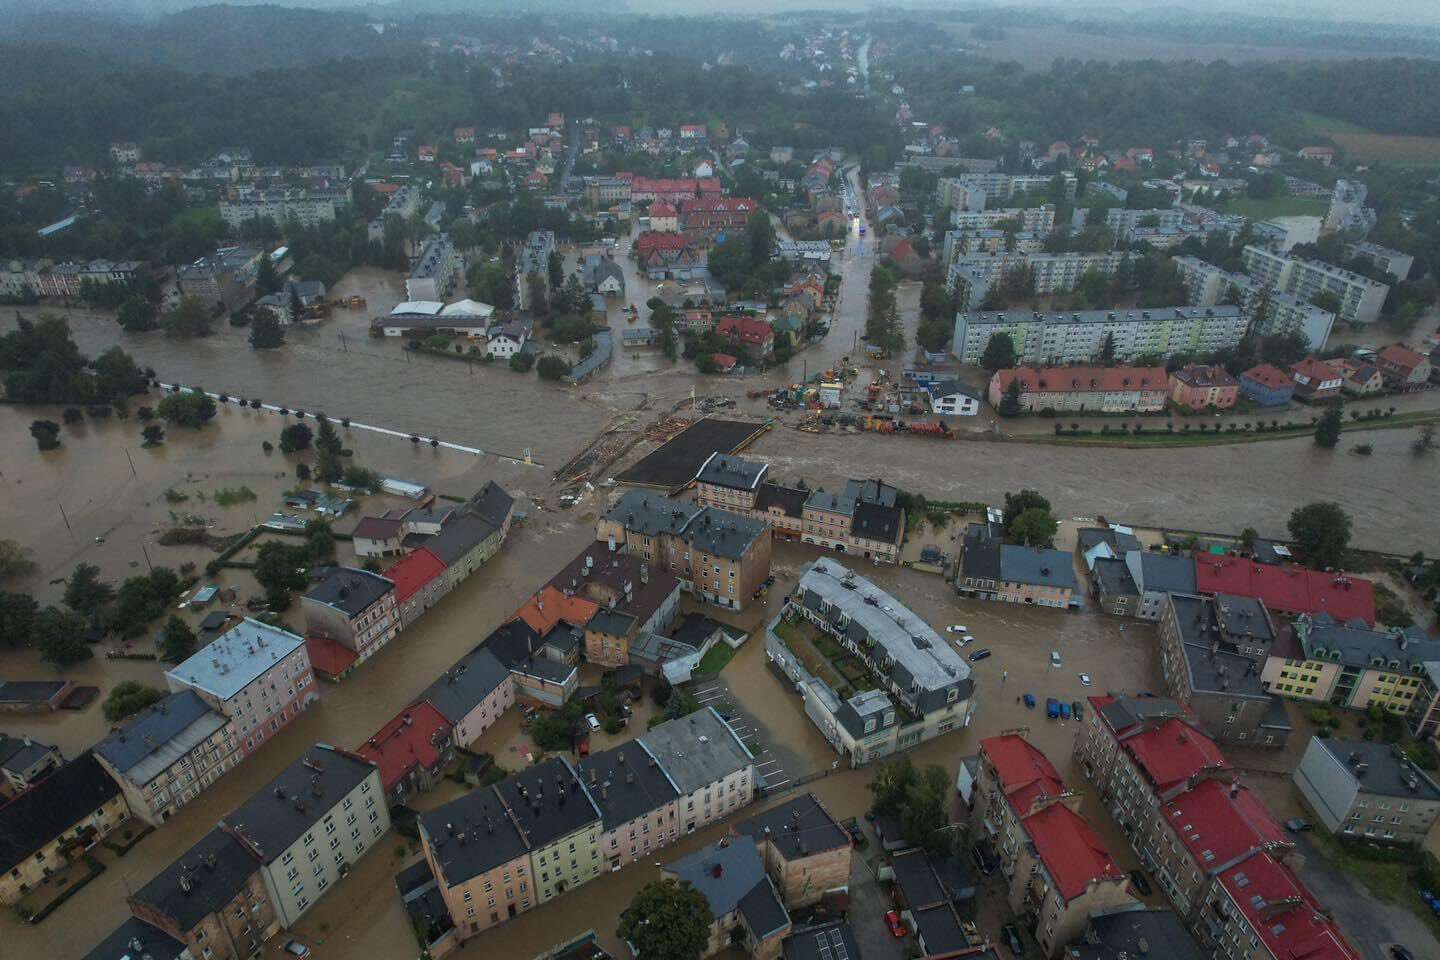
767, 763
778, 783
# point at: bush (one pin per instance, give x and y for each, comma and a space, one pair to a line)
551, 367
73, 415
295, 437
522, 362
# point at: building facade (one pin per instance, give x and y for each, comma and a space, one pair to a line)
1082, 389
1359, 788
1360, 297
355, 608
1058, 338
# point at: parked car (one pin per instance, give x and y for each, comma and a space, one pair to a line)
1054, 658
592, 721
957, 628
1029, 701
1077, 708
770, 580
1052, 708
892, 920
984, 856
1064, 710
963, 641
979, 655
1297, 825
1084, 679
1398, 952
296, 949
1012, 940
1140, 882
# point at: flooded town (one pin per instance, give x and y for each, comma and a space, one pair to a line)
591, 494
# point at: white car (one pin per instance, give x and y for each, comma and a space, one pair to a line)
296, 949
592, 721
964, 640
957, 628
1054, 658
1084, 679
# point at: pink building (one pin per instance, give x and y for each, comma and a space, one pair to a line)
257, 676
1201, 386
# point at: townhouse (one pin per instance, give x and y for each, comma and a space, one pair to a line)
560, 823
479, 859
1201, 386
471, 695
1267, 385
1360, 297
638, 802
411, 751
1403, 368
257, 676
862, 519
712, 769
721, 557
613, 597
1057, 338
353, 608
1359, 788
1316, 380
744, 906
991, 570
805, 851
1056, 870
730, 483
309, 825
1083, 389
168, 754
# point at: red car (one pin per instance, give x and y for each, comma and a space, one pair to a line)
896, 926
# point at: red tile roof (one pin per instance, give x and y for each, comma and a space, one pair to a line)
1288, 589
549, 607
1025, 773
1172, 753
1217, 827
1073, 855
724, 361
412, 572
1400, 359
1269, 375
747, 330
650, 241
1204, 375
661, 208
1315, 369
409, 740
1299, 932
377, 528
329, 657
1081, 379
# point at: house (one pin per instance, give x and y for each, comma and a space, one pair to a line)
1080, 389
1267, 385
1359, 788
327, 793
211, 898
1361, 379
55, 822
862, 519
411, 751
604, 276
805, 851
378, 536
471, 695
712, 769
1201, 386
420, 582
953, 398
670, 255
464, 135
638, 802
353, 607
1404, 369
507, 339
168, 754
1325, 156
1316, 380
258, 676
742, 898
561, 825
991, 570
24, 762
754, 335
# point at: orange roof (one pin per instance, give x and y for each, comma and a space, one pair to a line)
1082, 379
329, 657
549, 607
1025, 773
1268, 375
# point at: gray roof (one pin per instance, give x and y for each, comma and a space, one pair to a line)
548, 802
798, 828
1039, 566
737, 473
19, 754
152, 741
695, 629
236, 658
135, 939
948, 388
713, 531
1166, 573
650, 514
1243, 618
1124, 712
916, 881
294, 802
1121, 542
626, 783
29, 691
875, 521
939, 927
348, 589
697, 750
1389, 773
1113, 578
922, 654
790, 500
1359, 646
216, 869
458, 537
53, 806
981, 559
731, 877
615, 623
1212, 670
763, 911
493, 503
466, 684
723, 534
1126, 934
471, 836
976, 317
831, 940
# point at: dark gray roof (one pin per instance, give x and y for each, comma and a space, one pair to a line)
1124, 712
1039, 566
915, 881
981, 559
1360, 646
872, 491
1388, 774
718, 532
435, 512
1166, 573
462, 688
822, 941
763, 911
154, 739
516, 645
940, 928
53, 806
1119, 935
216, 870
1122, 543
948, 388
492, 503
790, 500
737, 473
801, 827
135, 939
697, 750
1113, 578
1243, 618
548, 802
694, 629
875, 521
348, 589
625, 782
723, 534
471, 836
275, 817
458, 537
21, 753
29, 691
614, 623
1212, 670
724, 874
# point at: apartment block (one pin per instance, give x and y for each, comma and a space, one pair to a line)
1359, 788
309, 208
730, 483
862, 519
1272, 311
353, 607
638, 802
1391, 261
711, 768
971, 277
561, 825
432, 276
1360, 297
1049, 339
805, 850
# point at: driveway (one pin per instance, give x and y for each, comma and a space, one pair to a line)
1368, 922
868, 904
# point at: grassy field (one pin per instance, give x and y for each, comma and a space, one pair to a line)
1367, 146
1286, 206
714, 660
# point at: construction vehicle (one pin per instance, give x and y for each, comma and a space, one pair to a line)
357, 302
936, 429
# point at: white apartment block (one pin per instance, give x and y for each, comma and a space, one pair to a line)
433, 275
970, 277
1123, 221
1039, 219
711, 769
1056, 338
1393, 262
1002, 186
1284, 313
308, 207
1360, 297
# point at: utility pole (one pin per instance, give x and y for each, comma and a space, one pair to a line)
132, 462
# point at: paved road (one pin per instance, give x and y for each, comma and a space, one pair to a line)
868, 904
1371, 923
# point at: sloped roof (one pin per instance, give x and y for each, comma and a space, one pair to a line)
410, 573
409, 739
1073, 855
1025, 773
53, 806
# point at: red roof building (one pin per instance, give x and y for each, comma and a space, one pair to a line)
749, 332
1279, 910
1218, 822
1316, 379
550, 606
411, 750
1071, 852
1288, 589
1402, 366
712, 214
411, 573
723, 362
329, 658
1172, 753
1025, 774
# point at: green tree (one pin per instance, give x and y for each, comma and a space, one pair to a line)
1010, 401
555, 267
535, 294
17, 618
1018, 503
760, 237
552, 367
178, 641
1248, 536
917, 798
46, 434
522, 362
189, 408
1033, 527
14, 560
296, 437
188, 318
281, 567
265, 331
128, 698
59, 635
999, 353
328, 452
153, 434
266, 279
117, 375
1106, 357
85, 592
1327, 300
136, 315
667, 920
319, 540
1327, 431
1322, 532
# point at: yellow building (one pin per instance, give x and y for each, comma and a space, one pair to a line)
1354, 666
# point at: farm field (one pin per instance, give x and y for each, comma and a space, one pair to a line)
1370, 147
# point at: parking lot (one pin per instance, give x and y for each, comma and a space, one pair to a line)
769, 765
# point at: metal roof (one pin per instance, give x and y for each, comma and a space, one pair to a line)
236, 658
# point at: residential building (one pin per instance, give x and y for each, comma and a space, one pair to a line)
432, 276
309, 208
1288, 589
560, 823
953, 398
411, 751
1347, 208
310, 824
676, 256
480, 860
544, 668
1393, 262
1362, 379
533, 257
226, 278
1080, 389
862, 519
828, 940
782, 509
1267, 385
664, 217
472, 533
1359, 788
711, 768
732, 879
258, 676
991, 570
211, 898
379, 536
1316, 380
610, 597
638, 802
1057, 338
1156, 576
507, 339
749, 333
805, 851
1200, 386
168, 754
134, 934
921, 687
1056, 870
1136, 931
1403, 368
729, 482
1262, 900
1124, 221
678, 656
927, 893
1360, 297
805, 253
1272, 311
471, 695
24, 762
1211, 653
353, 607
971, 277
716, 214
604, 276
721, 557
55, 822
420, 583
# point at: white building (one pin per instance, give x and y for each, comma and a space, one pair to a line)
1393, 262
507, 339
433, 274
309, 207
1284, 313
971, 277
1360, 297
711, 768
1039, 219
953, 398
1056, 338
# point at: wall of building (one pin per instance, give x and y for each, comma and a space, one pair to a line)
567, 863
33, 870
